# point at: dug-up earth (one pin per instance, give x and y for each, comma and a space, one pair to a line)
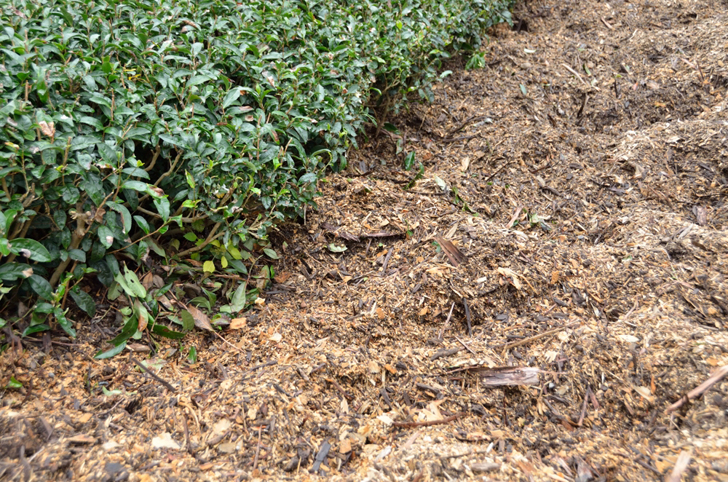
539, 305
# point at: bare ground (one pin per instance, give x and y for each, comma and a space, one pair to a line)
571, 225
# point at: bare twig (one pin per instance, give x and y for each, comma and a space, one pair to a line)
257, 449
166, 384
526, 341
428, 423
466, 346
386, 262
700, 389
447, 322
469, 319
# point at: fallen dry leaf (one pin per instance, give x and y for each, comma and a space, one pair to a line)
164, 441
509, 273
238, 323
201, 320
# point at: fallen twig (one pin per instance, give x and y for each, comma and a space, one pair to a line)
468, 318
579, 77
700, 389
257, 449
464, 345
428, 423
447, 322
525, 341
166, 384
444, 352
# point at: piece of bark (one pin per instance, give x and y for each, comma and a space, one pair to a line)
453, 253
500, 376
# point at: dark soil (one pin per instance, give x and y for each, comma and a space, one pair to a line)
571, 224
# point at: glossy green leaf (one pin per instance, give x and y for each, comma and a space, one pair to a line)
110, 353
84, 301
30, 248
41, 286
162, 330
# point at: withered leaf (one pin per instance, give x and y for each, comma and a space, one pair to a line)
202, 321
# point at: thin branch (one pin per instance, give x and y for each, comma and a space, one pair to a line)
157, 151
166, 384
184, 220
526, 341
429, 423
700, 389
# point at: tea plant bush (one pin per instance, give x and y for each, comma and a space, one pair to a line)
187, 128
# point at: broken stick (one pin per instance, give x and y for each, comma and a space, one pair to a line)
700, 389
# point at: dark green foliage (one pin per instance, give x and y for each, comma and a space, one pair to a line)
132, 127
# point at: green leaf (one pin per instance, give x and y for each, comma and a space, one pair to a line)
84, 301
40, 328
30, 248
197, 80
136, 186
61, 319
41, 286
13, 383
142, 223
162, 330
125, 215
523, 89
237, 303
110, 353
391, 128
409, 161
77, 255
188, 321
192, 355
134, 285
7, 221
231, 97
4, 247
162, 205
131, 326
106, 236
190, 180
337, 249
14, 271
309, 177
271, 254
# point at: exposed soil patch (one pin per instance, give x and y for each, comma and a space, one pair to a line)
571, 222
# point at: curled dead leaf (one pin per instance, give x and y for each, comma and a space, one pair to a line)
47, 128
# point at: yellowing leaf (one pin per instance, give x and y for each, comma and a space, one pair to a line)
224, 262
208, 267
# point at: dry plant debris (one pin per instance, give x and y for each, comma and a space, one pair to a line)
527, 310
